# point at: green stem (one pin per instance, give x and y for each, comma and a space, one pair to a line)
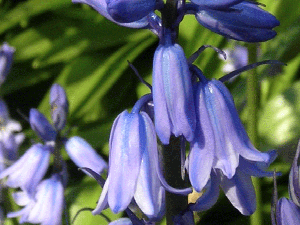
253, 107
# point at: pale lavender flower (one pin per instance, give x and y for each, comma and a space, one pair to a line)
222, 146
83, 155
172, 92
6, 59
29, 170
236, 58
46, 207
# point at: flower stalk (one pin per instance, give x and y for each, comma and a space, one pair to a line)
252, 115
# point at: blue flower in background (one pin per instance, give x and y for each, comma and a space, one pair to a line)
236, 58
83, 155
287, 211
29, 170
46, 207
172, 92
6, 60
59, 106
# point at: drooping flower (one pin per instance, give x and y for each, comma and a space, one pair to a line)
287, 211
222, 146
238, 189
131, 173
244, 21
45, 207
172, 92
29, 170
216, 4
83, 155
6, 59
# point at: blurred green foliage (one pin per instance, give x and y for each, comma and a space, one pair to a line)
60, 42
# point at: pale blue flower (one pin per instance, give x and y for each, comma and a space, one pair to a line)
46, 207
83, 155
172, 92
131, 173
29, 170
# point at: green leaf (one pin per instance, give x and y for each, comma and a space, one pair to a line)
86, 195
279, 120
23, 11
87, 80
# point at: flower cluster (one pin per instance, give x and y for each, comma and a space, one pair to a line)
43, 199
10, 136
183, 104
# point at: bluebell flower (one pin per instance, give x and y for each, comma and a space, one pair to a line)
121, 221
41, 126
102, 7
6, 59
46, 207
83, 155
184, 218
126, 11
59, 106
238, 189
29, 170
244, 21
172, 92
287, 211
221, 146
131, 173
10, 136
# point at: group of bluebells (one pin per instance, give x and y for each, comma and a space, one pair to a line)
182, 102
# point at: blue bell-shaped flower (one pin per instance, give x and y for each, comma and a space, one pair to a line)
132, 171
173, 100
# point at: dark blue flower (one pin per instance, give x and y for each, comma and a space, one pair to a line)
244, 21
126, 11
101, 7
216, 4
172, 92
